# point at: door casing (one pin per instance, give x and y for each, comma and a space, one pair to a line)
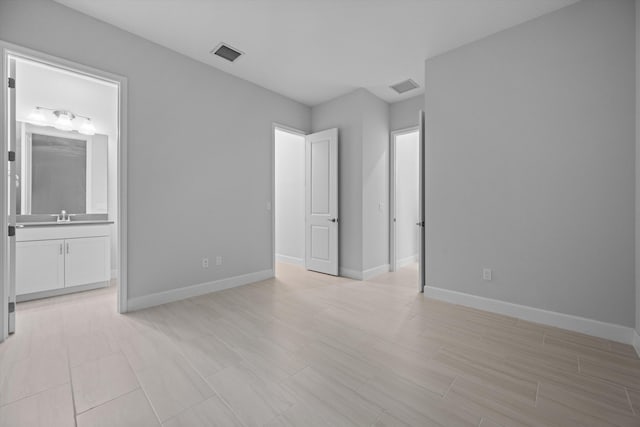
13, 50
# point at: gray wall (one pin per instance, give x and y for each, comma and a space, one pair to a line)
530, 171
199, 148
375, 181
404, 114
345, 114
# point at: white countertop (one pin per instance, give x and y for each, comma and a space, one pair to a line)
63, 224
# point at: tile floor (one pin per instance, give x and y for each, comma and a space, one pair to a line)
307, 349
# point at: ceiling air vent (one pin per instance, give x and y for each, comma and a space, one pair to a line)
227, 52
404, 86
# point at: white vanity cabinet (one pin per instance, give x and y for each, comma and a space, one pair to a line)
84, 260
61, 258
39, 266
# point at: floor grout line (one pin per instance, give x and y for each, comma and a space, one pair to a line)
73, 396
449, 388
633, 411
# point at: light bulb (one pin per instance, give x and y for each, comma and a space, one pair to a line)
63, 122
37, 117
87, 128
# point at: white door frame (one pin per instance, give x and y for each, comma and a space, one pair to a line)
295, 131
393, 257
9, 49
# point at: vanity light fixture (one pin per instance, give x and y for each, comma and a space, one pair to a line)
37, 117
64, 120
87, 127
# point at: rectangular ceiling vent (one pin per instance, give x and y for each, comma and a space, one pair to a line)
404, 86
226, 52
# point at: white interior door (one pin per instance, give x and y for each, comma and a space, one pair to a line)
11, 196
422, 279
321, 205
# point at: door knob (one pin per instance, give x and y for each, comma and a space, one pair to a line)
333, 220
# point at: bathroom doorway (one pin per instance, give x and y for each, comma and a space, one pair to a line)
64, 181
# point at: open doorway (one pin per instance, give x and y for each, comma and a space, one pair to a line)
405, 201
289, 186
305, 227
64, 182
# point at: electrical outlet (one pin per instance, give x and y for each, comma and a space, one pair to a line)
205, 262
218, 260
486, 274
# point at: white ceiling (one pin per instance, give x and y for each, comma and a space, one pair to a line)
44, 86
315, 50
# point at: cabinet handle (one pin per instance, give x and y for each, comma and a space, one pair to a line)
67, 249
60, 248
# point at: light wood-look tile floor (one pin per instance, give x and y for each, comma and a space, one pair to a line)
307, 349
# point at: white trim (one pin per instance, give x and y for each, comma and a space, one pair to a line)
375, 271
290, 259
172, 295
351, 274
114, 273
583, 325
4, 242
407, 260
636, 342
366, 274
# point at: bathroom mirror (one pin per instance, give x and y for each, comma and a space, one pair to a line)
59, 170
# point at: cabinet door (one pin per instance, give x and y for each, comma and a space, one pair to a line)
39, 266
87, 260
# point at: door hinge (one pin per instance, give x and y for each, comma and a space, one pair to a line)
12, 307
12, 230
12, 83
12, 156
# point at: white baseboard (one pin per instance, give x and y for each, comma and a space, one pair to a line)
195, 290
636, 342
406, 261
290, 259
351, 274
375, 271
583, 325
364, 275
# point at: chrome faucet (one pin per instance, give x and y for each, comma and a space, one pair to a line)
63, 217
